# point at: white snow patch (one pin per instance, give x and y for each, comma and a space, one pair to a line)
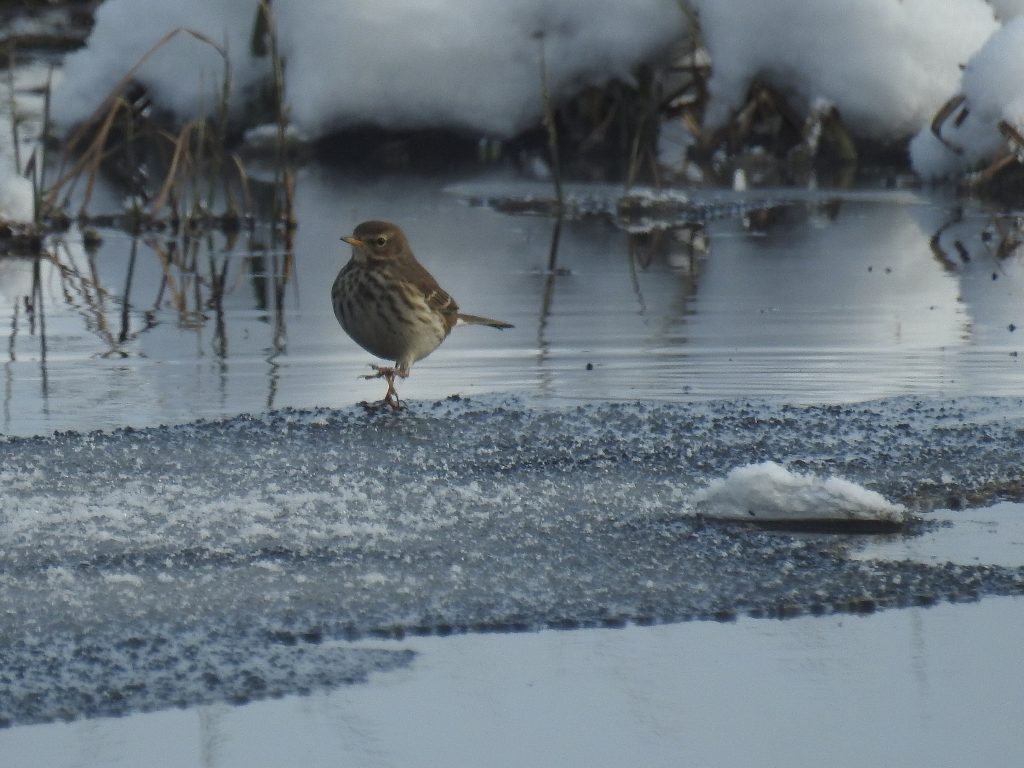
394, 63
770, 492
15, 195
15, 190
888, 66
993, 89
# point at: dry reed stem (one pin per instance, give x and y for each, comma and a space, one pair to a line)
91, 158
942, 116
105, 113
15, 138
180, 151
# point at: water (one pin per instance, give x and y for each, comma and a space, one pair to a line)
316, 581
912, 687
858, 299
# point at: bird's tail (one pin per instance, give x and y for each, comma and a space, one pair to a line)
476, 320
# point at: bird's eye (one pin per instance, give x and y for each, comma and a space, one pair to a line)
381, 241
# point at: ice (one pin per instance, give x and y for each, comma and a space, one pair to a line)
992, 535
219, 561
769, 492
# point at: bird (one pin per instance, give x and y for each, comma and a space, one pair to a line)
391, 306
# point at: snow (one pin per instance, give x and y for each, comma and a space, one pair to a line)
888, 66
15, 196
15, 190
993, 89
769, 492
184, 75
398, 64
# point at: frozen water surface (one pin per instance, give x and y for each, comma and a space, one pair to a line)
239, 530
913, 687
178, 565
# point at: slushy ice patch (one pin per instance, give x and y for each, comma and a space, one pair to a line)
230, 560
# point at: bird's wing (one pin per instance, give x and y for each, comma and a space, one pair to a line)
435, 296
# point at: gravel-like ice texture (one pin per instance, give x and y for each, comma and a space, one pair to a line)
142, 569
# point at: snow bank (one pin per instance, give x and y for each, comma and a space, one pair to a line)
888, 66
395, 63
993, 89
768, 492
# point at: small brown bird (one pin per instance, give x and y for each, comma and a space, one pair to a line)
391, 306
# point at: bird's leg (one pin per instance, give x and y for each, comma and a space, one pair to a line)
388, 374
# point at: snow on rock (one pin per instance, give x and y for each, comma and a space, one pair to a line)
394, 63
993, 89
887, 65
768, 492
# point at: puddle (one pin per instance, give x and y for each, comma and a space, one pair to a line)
919, 687
870, 299
993, 535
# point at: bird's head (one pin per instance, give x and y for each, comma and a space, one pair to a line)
377, 240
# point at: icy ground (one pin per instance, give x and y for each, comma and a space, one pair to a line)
225, 560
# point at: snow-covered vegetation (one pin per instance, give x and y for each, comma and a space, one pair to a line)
938, 82
887, 66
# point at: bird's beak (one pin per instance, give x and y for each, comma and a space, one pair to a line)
354, 241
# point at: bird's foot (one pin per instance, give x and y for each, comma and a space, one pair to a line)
391, 397
382, 371
388, 403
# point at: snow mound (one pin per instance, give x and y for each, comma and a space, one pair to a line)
992, 88
395, 63
768, 492
888, 66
